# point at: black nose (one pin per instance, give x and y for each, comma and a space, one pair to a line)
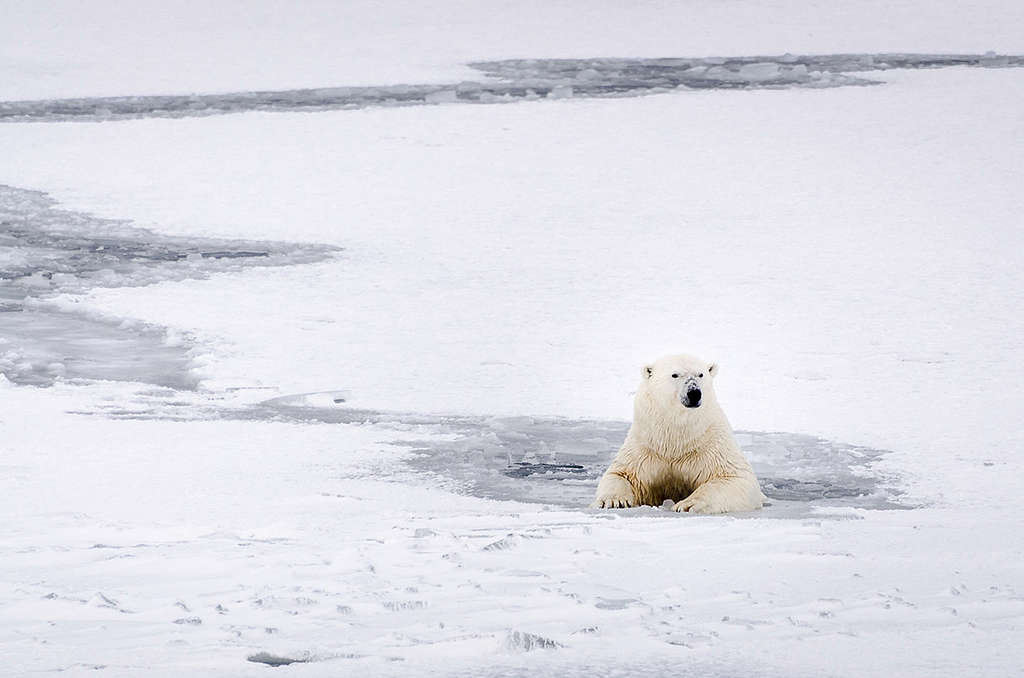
693, 398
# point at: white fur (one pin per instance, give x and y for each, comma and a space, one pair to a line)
687, 455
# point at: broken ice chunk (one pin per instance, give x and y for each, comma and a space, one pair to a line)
445, 96
560, 92
759, 72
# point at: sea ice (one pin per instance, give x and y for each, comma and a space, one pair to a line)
50, 251
517, 79
761, 71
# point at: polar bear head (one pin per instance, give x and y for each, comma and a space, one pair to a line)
679, 383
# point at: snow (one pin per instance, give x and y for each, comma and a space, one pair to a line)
516, 249
170, 546
324, 489
58, 250
65, 48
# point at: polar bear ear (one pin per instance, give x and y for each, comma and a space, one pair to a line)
646, 371
713, 369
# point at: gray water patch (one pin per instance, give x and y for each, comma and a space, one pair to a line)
558, 461
520, 79
45, 250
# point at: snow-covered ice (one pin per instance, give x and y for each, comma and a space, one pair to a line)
65, 48
380, 355
48, 250
514, 80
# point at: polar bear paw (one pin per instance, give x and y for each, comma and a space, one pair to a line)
703, 505
610, 501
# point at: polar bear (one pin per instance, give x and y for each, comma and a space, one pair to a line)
680, 446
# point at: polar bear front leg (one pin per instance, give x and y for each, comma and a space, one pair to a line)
614, 491
723, 495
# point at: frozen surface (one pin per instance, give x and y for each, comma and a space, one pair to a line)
520, 79
64, 48
39, 345
558, 461
851, 256
46, 250
223, 545
549, 460
503, 256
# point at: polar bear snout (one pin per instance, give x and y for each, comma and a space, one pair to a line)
692, 397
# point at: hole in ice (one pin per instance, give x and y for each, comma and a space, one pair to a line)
558, 461
522, 469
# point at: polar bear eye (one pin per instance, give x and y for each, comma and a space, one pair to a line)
700, 376
675, 376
